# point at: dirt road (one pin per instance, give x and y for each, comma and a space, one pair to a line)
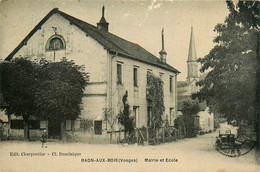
192, 155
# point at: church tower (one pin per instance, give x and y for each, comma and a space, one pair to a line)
192, 61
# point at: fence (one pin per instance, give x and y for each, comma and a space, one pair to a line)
158, 135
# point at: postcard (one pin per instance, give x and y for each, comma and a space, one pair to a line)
142, 85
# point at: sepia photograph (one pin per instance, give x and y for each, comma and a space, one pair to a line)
129, 85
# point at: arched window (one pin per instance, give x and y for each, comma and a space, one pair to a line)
56, 42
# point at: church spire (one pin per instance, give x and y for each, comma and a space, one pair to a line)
192, 56
192, 59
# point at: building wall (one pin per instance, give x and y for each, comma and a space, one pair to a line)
137, 95
81, 48
101, 92
205, 121
7, 132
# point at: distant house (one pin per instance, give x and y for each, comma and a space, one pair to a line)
204, 121
115, 66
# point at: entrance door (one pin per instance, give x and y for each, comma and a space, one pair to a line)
54, 129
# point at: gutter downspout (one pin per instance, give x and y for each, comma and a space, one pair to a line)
110, 103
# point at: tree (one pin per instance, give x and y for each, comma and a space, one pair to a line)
124, 116
47, 90
190, 110
155, 97
60, 90
231, 84
18, 84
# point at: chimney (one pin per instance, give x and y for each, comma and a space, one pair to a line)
103, 24
163, 53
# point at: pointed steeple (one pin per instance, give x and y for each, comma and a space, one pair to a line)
192, 59
192, 56
103, 24
163, 52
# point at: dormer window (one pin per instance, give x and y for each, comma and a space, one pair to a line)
56, 42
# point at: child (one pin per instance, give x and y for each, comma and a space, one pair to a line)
44, 137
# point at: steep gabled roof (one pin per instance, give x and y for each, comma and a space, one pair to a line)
111, 42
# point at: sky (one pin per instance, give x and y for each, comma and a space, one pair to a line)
140, 22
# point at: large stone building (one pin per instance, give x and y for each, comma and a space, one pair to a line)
115, 66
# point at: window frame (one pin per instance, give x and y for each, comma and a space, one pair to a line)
47, 48
171, 115
135, 76
98, 131
149, 71
135, 114
161, 74
19, 124
171, 84
119, 81
34, 125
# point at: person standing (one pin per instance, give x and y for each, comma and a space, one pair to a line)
44, 138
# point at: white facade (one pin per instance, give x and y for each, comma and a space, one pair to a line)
205, 121
103, 92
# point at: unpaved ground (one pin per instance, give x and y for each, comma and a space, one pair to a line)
195, 155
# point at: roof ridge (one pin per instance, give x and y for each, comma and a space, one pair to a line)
92, 27
110, 34
110, 41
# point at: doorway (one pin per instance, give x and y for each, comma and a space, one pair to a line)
54, 131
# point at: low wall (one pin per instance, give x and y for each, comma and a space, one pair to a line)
18, 134
89, 137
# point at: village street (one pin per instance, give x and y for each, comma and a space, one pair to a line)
195, 154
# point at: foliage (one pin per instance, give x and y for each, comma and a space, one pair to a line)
124, 117
231, 85
155, 96
60, 90
110, 118
179, 122
46, 90
190, 110
18, 84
